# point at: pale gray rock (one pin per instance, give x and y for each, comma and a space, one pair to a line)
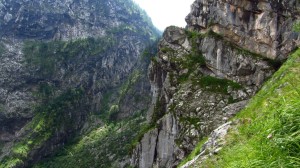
212, 146
146, 150
264, 27
232, 109
157, 142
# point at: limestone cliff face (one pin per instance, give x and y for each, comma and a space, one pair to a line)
59, 61
262, 26
204, 74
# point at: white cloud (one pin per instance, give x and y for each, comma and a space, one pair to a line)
166, 12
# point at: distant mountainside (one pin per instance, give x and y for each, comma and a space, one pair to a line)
70, 69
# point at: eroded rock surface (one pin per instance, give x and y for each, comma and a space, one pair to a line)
262, 26
71, 58
204, 74
212, 146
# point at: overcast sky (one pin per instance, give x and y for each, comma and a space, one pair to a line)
165, 13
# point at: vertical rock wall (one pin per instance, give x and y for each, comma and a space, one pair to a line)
262, 26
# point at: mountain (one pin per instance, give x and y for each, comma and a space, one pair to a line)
72, 71
205, 74
80, 87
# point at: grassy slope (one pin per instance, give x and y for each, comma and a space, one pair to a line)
269, 131
100, 148
107, 144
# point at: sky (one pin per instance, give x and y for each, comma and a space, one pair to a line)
165, 13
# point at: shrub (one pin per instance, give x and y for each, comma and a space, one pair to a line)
214, 84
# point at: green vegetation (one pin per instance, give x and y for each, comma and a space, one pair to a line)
215, 84
196, 56
158, 111
122, 28
139, 18
191, 61
45, 92
1, 107
273, 63
150, 51
296, 26
105, 106
191, 120
105, 143
210, 83
2, 49
167, 50
102, 147
268, 132
132, 79
194, 153
194, 36
142, 131
60, 110
45, 56
50, 117
111, 102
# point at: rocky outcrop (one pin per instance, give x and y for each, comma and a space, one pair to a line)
262, 26
204, 74
59, 61
157, 143
212, 146
198, 96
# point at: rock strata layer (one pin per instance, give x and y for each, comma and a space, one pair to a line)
262, 26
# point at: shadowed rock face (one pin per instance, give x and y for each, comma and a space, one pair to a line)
50, 49
264, 27
204, 74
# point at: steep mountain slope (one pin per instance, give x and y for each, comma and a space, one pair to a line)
204, 74
74, 91
266, 132
69, 68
